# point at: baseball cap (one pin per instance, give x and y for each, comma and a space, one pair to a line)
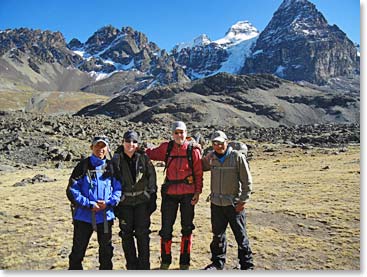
219, 136
97, 139
178, 125
131, 135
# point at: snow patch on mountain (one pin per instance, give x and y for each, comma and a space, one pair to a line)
237, 56
238, 33
201, 40
227, 54
99, 75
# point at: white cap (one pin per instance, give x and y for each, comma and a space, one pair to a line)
178, 125
97, 139
219, 136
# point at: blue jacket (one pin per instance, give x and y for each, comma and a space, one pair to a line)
87, 193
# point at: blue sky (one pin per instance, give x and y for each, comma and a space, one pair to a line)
165, 22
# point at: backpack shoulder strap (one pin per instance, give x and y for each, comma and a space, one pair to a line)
189, 154
168, 152
108, 169
189, 158
78, 172
81, 169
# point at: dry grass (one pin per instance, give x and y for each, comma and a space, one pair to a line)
304, 214
14, 100
51, 102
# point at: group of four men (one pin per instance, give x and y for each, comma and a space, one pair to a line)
126, 187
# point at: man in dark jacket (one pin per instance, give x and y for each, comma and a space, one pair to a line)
181, 189
139, 201
94, 193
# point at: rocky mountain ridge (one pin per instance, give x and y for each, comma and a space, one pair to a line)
201, 81
110, 49
297, 44
38, 60
258, 100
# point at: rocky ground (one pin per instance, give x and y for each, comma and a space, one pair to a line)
304, 212
31, 139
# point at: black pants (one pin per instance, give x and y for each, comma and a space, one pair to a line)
220, 217
135, 222
82, 233
169, 208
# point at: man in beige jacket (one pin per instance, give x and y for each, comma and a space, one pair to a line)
231, 185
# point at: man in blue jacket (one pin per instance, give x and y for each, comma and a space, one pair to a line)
95, 190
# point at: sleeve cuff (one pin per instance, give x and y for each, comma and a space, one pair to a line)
91, 204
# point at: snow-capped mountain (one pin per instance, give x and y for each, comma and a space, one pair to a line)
110, 50
239, 32
203, 57
298, 44
201, 40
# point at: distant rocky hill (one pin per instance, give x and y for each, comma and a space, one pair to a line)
233, 100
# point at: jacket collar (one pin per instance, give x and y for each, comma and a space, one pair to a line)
95, 161
228, 152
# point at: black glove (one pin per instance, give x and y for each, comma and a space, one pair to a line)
152, 205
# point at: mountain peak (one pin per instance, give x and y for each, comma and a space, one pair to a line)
201, 40
237, 33
288, 3
106, 29
242, 28
295, 18
296, 32
241, 31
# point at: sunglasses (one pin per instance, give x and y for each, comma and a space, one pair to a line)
130, 141
216, 143
178, 132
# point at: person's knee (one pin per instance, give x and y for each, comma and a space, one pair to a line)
166, 232
165, 235
126, 234
187, 230
220, 238
142, 232
106, 252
